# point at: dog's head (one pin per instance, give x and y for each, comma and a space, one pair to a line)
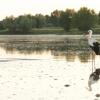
97, 71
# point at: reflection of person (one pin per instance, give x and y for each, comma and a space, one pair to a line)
94, 77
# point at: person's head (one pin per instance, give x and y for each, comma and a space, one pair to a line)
88, 34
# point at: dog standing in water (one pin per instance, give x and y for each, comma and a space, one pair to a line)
94, 77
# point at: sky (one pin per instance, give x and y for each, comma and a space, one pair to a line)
20, 7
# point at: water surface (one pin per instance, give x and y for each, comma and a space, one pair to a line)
54, 70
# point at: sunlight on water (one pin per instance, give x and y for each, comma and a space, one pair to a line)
16, 54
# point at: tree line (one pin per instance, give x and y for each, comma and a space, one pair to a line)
83, 19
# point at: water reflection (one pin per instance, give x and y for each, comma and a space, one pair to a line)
69, 49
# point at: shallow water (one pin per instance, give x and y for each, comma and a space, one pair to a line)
46, 71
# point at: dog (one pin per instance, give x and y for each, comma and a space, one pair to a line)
94, 77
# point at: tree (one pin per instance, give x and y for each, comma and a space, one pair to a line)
1, 25
55, 18
85, 19
66, 19
40, 20
48, 21
23, 23
99, 18
32, 19
8, 23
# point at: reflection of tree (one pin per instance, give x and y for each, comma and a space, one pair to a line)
9, 50
22, 47
30, 47
58, 54
62, 49
84, 56
70, 56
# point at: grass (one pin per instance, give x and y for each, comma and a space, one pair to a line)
50, 30
2, 31
55, 30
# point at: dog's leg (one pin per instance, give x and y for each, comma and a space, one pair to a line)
90, 82
89, 85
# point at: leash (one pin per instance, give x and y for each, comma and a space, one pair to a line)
93, 62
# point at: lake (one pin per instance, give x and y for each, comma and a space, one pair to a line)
46, 69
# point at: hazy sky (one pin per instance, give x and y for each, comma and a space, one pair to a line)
19, 7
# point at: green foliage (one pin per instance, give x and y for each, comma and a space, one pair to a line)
55, 18
23, 23
8, 23
1, 25
40, 21
99, 18
66, 19
85, 19
48, 21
